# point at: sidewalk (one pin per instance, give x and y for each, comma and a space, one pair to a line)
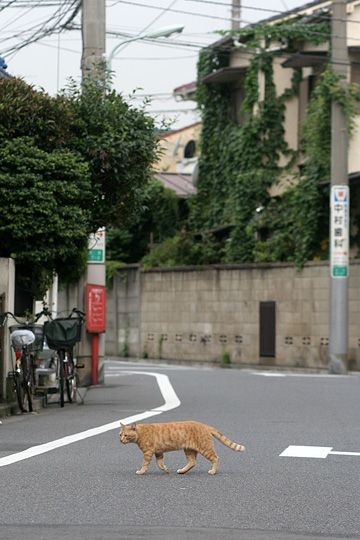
9, 409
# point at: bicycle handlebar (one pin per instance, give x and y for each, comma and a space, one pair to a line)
4, 317
45, 311
78, 312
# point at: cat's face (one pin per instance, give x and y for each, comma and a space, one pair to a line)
127, 434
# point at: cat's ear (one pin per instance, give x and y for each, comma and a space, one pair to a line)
133, 427
122, 425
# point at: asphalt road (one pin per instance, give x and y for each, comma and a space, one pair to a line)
89, 490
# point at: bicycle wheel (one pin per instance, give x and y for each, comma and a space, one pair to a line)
23, 393
61, 376
70, 377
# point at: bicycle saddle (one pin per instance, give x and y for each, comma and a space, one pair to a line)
22, 337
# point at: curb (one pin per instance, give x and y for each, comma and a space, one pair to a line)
214, 364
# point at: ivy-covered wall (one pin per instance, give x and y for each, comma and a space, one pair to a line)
240, 162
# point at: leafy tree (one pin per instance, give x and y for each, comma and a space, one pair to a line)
41, 223
118, 141
69, 164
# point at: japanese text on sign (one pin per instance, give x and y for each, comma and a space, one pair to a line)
339, 241
95, 308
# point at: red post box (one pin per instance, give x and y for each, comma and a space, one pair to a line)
95, 322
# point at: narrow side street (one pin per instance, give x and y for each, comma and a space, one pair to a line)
89, 488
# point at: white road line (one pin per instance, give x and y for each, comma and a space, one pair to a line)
167, 392
317, 452
305, 375
306, 451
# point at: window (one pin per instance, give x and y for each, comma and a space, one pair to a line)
190, 149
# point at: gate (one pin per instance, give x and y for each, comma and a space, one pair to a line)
267, 329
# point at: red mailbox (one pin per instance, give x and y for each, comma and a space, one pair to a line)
95, 308
95, 322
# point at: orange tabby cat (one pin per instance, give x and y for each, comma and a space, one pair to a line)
191, 436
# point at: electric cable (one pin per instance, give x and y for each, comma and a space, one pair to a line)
289, 12
58, 25
172, 3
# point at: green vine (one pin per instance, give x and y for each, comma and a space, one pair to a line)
240, 161
296, 224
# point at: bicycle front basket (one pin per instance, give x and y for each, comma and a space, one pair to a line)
62, 333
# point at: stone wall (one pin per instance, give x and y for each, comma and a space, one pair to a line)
123, 313
207, 313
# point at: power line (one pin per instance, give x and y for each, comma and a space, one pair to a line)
62, 20
192, 13
164, 10
132, 58
252, 8
22, 5
123, 58
269, 10
138, 4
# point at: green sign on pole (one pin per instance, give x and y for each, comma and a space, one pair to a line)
96, 248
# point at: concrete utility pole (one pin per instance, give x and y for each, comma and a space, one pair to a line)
93, 65
93, 36
235, 14
339, 202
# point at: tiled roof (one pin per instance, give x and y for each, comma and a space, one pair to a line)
180, 183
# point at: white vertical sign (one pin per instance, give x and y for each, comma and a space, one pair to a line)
339, 241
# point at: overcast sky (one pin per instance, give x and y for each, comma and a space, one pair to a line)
152, 68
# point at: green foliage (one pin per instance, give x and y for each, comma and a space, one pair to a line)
160, 218
263, 34
112, 268
68, 165
225, 359
296, 223
27, 112
186, 248
174, 251
239, 162
44, 223
118, 142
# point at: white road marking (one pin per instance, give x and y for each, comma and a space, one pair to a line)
306, 451
317, 452
306, 375
268, 374
171, 402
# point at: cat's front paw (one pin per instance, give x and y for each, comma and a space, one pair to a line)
140, 471
212, 472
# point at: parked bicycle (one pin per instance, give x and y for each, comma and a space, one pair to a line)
61, 335
26, 339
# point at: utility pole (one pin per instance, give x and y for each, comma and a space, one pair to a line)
339, 201
235, 14
93, 37
93, 66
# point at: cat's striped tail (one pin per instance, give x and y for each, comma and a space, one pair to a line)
228, 442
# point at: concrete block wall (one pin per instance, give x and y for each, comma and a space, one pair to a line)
199, 313
123, 313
